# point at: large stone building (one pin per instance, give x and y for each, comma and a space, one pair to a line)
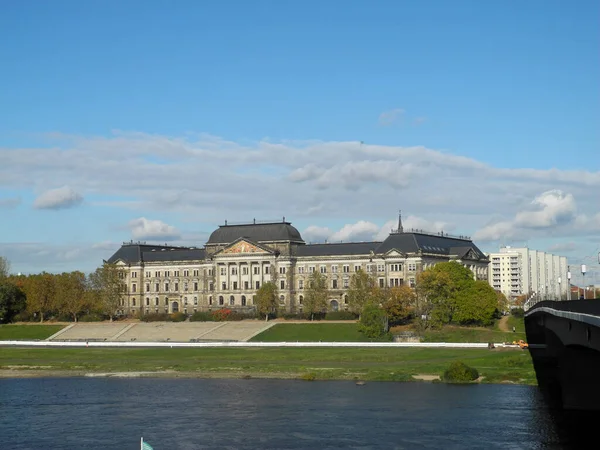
517, 271
237, 259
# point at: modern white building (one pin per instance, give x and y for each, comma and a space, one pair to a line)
519, 271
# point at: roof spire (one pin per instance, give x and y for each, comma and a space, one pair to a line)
400, 227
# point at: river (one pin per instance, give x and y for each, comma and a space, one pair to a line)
171, 414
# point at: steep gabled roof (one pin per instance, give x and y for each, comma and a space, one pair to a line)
429, 243
195, 254
337, 249
257, 232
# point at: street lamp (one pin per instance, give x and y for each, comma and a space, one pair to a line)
569, 295
559, 289
583, 271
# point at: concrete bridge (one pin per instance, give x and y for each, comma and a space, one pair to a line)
564, 342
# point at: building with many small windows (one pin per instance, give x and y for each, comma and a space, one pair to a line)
517, 271
238, 258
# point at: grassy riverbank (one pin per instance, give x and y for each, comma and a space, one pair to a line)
376, 364
28, 332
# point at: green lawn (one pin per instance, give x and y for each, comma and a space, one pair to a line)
27, 332
465, 334
383, 364
518, 323
311, 332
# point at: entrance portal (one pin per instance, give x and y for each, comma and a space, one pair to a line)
175, 307
335, 306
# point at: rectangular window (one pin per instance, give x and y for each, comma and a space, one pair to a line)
167, 273
147, 301
300, 284
356, 268
334, 269
395, 267
346, 269
223, 286
267, 268
211, 286
176, 287
186, 273
246, 285
133, 274
157, 274
258, 285
156, 301
166, 287
345, 283
223, 271
156, 287
147, 287
282, 270
196, 272
121, 274
235, 285
233, 270
334, 284
134, 287
195, 301
323, 269
311, 269
412, 267
185, 286
380, 267
195, 285
301, 269
382, 282
176, 273
256, 270
245, 270
148, 274
412, 282
281, 284
210, 272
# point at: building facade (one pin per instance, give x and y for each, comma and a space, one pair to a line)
517, 271
238, 259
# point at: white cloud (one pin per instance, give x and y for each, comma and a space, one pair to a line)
316, 234
359, 231
143, 228
562, 247
390, 117
60, 198
553, 207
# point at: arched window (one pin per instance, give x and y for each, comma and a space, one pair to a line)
243, 300
195, 301
210, 300
232, 300
221, 300
334, 305
147, 301
185, 301
156, 301
133, 302
346, 299
282, 299
300, 299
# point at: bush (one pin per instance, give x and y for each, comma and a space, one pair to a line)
221, 315
517, 312
23, 316
373, 322
459, 372
178, 317
340, 315
92, 317
202, 316
308, 376
155, 317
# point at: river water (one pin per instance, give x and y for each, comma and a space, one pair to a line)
110, 413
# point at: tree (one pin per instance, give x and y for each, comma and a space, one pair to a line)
266, 299
315, 298
108, 287
399, 303
373, 321
12, 301
442, 286
71, 293
361, 292
503, 304
4, 267
477, 305
40, 292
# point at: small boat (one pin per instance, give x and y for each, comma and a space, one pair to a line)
360, 383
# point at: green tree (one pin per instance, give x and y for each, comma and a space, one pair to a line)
316, 293
442, 286
477, 305
71, 293
399, 303
361, 292
373, 321
266, 299
108, 288
12, 301
40, 290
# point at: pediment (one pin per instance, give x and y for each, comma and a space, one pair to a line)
243, 246
393, 252
472, 255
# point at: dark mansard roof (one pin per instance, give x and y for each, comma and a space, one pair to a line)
257, 232
346, 248
134, 253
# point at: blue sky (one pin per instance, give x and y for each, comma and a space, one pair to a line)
478, 117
